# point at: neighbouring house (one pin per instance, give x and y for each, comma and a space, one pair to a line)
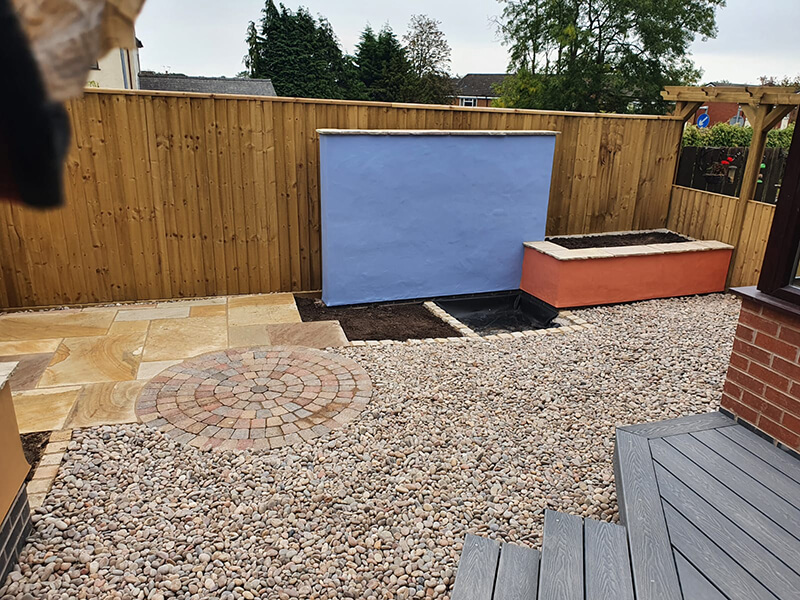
176, 82
119, 69
478, 89
731, 112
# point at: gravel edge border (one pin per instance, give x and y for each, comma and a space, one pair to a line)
578, 324
46, 471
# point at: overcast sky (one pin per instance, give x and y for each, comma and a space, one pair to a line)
206, 37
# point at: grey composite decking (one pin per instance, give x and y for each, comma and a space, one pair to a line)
580, 560
711, 511
720, 502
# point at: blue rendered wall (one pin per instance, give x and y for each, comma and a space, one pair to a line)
415, 216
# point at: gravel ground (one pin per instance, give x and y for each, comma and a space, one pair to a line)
473, 437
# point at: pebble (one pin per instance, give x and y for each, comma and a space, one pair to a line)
475, 437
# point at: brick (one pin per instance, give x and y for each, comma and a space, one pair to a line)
789, 335
782, 400
795, 390
791, 370
733, 390
739, 409
745, 333
776, 346
752, 352
746, 381
778, 432
759, 323
792, 423
739, 361
768, 376
751, 306
762, 406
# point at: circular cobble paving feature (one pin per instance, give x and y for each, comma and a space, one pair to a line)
261, 398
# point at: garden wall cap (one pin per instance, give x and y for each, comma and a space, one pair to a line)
562, 253
472, 132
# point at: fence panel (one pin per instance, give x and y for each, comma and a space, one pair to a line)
709, 216
181, 195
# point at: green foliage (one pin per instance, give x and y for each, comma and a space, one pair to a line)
780, 138
606, 56
301, 55
383, 67
723, 135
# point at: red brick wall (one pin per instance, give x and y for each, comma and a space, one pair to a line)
763, 382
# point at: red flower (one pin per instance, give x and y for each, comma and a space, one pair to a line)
730, 159
725, 163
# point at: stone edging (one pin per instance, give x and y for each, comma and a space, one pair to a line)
578, 324
47, 469
561, 253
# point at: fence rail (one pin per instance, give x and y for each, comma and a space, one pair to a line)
179, 195
709, 216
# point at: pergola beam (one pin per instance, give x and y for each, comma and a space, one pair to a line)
752, 95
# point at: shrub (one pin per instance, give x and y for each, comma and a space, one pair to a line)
723, 135
780, 138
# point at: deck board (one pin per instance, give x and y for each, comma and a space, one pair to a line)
693, 583
607, 562
763, 472
719, 568
477, 568
764, 566
654, 574
561, 571
779, 459
742, 483
760, 527
680, 425
517, 574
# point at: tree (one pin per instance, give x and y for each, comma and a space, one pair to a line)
383, 67
600, 55
429, 55
784, 81
301, 55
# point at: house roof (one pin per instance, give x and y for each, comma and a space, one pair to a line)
176, 82
479, 84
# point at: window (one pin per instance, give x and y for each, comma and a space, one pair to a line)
780, 274
468, 102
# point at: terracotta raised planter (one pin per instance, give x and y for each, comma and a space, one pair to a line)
592, 276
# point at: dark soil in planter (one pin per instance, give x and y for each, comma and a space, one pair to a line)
618, 239
33, 445
501, 313
378, 321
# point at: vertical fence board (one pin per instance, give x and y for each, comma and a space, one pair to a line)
181, 195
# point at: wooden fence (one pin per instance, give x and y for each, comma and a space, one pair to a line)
179, 195
695, 161
708, 216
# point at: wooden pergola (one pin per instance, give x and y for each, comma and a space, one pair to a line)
764, 107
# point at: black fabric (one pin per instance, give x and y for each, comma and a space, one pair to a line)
34, 131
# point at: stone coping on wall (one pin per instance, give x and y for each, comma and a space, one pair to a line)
424, 132
561, 253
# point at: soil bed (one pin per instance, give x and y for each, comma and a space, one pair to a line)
618, 239
33, 445
378, 321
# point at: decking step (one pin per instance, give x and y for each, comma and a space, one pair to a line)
580, 560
